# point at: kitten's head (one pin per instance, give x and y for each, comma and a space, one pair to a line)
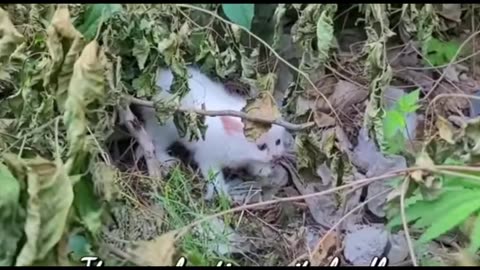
270, 146
273, 143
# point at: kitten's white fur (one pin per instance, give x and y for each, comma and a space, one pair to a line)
220, 148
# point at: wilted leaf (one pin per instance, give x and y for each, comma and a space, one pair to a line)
324, 34
241, 14
11, 222
94, 15
157, 252
445, 129
86, 86
10, 37
60, 69
50, 197
141, 50
263, 107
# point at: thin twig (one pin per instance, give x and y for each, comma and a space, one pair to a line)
356, 183
279, 122
143, 138
405, 223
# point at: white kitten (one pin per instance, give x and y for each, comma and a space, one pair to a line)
225, 144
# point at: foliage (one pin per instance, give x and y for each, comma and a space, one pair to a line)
65, 69
395, 121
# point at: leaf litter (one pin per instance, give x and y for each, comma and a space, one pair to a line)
384, 98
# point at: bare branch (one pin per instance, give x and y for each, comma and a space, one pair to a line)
137, 130
279, 122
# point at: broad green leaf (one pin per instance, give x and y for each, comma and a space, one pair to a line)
441, 52
429, 210
87, 205
451, 218
393, 122
445, 204
475, 237
79, 245
94, 14
11, 226
241, 14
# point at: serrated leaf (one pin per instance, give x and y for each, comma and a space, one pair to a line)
445, 204
393, 122
441, 52
408, 103
425, 212
141, 50
241, 14
447, 220
94, 14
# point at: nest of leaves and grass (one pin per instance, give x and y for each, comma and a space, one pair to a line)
74, 187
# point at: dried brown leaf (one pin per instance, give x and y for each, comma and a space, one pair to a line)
10, 37
320, 255
157, 252
445, 129
264, 106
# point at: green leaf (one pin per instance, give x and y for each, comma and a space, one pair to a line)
88, 207
441, 52
393, 122
427, 211
475, 237
241, 14
450, 199
93, 17
10, 209
79, 245
449, 219
408, 103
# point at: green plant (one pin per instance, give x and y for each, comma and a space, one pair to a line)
395, 121
455, 205
440, 52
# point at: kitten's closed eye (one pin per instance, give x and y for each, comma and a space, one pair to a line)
262, 147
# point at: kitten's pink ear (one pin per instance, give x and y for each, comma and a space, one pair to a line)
231, 125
